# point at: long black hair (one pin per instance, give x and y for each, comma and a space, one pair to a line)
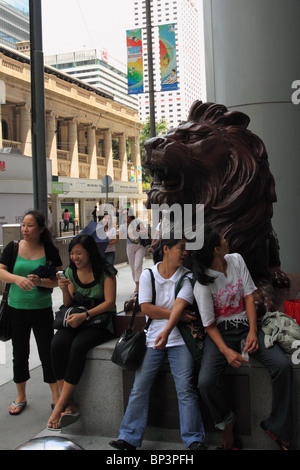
99, 264
45, 237
203, 258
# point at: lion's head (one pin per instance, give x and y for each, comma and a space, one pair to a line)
213, 159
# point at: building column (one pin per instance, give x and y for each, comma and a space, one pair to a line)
252, 59
108, 153
73, 148
51, 140
25, 130
91, 137
123, 157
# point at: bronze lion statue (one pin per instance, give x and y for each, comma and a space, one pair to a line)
213, 159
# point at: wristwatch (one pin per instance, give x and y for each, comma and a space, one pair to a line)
87, 316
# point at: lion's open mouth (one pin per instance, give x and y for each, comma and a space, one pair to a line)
166, 180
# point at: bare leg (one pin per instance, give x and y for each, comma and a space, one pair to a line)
65, 402
21, 397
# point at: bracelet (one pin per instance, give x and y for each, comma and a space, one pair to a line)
42, 281
87, 316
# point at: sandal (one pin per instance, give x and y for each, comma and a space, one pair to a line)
68, 418
51, 424
22, 404
281, 445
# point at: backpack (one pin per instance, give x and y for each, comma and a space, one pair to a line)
193, 333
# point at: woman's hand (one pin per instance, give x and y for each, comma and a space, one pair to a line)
24, 283
251, 343
35, 279
187, 316
63, 283
161, 340
76, 319
234, 359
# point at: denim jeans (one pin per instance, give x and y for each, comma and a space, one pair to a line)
182, 368
279, 365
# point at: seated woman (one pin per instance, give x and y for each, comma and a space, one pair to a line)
94, 278
224, 294
166, 274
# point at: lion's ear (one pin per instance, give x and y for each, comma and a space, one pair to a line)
234, 118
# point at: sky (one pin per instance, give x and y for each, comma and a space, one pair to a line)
75, 25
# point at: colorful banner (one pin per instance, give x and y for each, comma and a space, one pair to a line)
135, 72
168, 66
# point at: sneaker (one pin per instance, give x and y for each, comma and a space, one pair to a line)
197, 446
121, 445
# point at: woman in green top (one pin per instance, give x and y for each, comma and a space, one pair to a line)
90, 275
30, 306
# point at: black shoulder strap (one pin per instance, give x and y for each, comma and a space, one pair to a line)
14, 257
137, 307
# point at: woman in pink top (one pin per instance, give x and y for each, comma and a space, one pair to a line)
224, 294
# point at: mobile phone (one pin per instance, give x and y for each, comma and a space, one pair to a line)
61, 275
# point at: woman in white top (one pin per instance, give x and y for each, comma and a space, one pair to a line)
166, 274
111, 233
224, 294
133, 227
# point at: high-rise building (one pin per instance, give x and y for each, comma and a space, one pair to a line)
14, 21
173, 106
98, 69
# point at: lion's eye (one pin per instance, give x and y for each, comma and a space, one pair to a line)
193, 137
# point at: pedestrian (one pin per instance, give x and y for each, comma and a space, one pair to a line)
90, 276
224, 294
66, 219
166, 274
133, 228
113, 238
30, 304
94, 214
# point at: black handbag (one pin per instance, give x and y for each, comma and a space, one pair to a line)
131, 347
192, 333
5, 326
81, 304
5, 321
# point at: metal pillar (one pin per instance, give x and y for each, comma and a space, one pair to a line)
38, 109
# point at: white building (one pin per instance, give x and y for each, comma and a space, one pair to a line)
173, 106
98, 69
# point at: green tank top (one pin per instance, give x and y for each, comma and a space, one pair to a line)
29, 300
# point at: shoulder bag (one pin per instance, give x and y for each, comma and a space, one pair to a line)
192, 333
5, 322
131, 347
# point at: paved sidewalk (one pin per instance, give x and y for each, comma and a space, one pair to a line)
16, 430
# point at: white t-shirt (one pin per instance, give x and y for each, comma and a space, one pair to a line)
165, 297
111, 235
224, 298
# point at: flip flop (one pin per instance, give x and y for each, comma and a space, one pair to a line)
54, 429
281, 445
22, 404
68, 418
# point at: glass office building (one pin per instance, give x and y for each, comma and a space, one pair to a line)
14, 21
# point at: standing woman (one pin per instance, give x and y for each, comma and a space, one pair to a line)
166, 274
92, 277
30, 306
133, 227
111, 233
224, 293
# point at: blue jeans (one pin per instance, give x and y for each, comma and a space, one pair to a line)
182, 368
110, 257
